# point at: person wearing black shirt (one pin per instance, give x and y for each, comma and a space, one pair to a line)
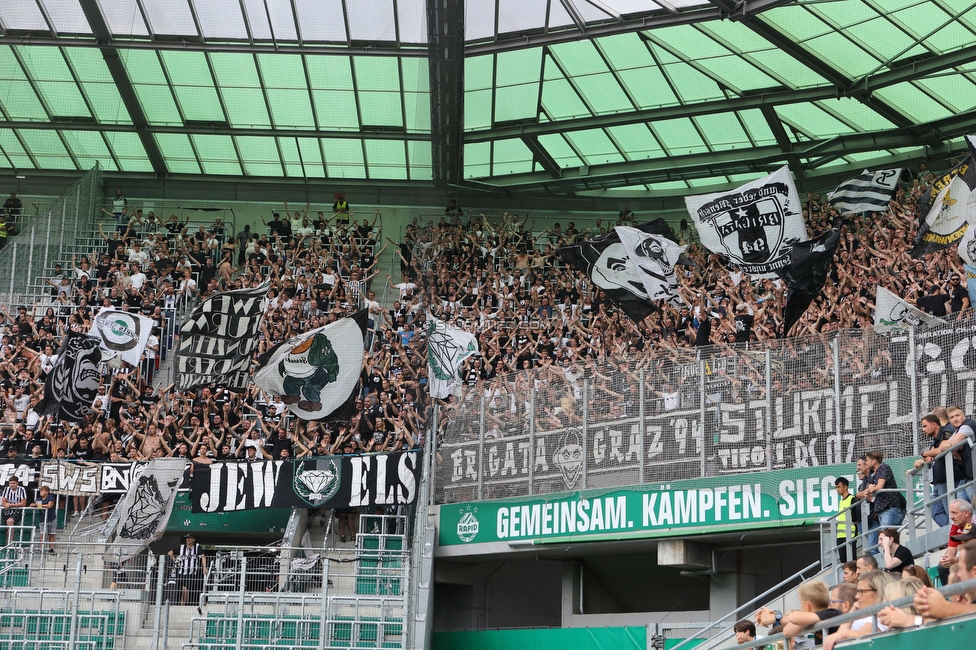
958, 294
743, 323
935, 302
896, 556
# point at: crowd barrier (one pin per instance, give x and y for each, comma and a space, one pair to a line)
663, 415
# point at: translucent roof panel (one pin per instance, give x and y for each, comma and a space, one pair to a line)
665, 95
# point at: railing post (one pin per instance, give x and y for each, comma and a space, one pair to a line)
702, 414
13, 271
29, 275
240, 602
769, 410
481, 448
913, 378
432, 443
641, 427
76, 598
324, 610
586, 429
835, 343
532, 396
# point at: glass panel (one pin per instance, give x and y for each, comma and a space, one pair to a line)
13, 150
376, 73
107, 103
913, 102
23, 15
194, 86
723, 131
129, 151
579, 58
282, 19
949, 36
958, 92
169, 17
336, 109
758, 127
522, 66
476, 159
246, 107
16, 95
220, 19
604, 94
418, 153
123, 17
864, 118
843, 54
63, 99
260, 156
638, 141
511, 157
284, 77
477, 72
343, 158
648, 87
883, 38
307, 164
371, 20
561, 101
321, 20
177, 153
477, 109
386, 159
559, 149
158, 104
329, 72
43, 63
416, 108
412, 15
381, 108
217, 154
799, 23
687, 41
517, 102
479, 19
519, 15
257, 17
789, 71
812, 121
679, 136
67, 16
690, 84
47, 149
738, 73
88, 148
595, 147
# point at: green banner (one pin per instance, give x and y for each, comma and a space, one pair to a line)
265, 520
573, 638
792, 497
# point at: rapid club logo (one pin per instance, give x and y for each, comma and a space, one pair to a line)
467, 528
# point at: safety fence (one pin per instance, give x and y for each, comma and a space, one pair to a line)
33, 251
663, 415
81, 595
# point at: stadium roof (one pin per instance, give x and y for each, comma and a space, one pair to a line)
556, 96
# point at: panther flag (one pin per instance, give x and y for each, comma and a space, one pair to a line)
605, 261
806, 273
949, 206
967, 246
754, 226
142, 514
121, 334
654, 258
447, 347
316, 373
70, 387
892, 314
217, 341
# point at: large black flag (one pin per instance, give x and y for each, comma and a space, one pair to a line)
605, 262
217, 340
806, 273
71, 385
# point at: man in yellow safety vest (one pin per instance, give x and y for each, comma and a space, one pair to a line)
846, 529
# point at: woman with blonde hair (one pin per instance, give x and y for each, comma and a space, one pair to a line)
870, 591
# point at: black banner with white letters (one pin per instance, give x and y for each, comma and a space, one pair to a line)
217, 340
321, 482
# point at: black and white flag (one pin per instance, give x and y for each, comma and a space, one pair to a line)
316, 373
217, 341
121, 334
70, 387
143, 513
754, 226
869, 192
806, 274
948, 207
605, 261
892, 314
654, 258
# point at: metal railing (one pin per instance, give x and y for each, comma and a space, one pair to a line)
666, 414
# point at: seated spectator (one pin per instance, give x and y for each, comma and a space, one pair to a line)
745, 631
870, 588
843, 597
933, 605
961, 516
815, 606
896, 556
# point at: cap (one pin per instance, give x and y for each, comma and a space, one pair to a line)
964, 537
189, 536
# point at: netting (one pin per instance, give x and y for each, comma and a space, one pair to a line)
655, 417
30, 253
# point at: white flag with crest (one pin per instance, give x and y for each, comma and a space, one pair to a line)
654, 258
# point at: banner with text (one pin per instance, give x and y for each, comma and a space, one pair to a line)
71, 478
323, 482
704, 505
